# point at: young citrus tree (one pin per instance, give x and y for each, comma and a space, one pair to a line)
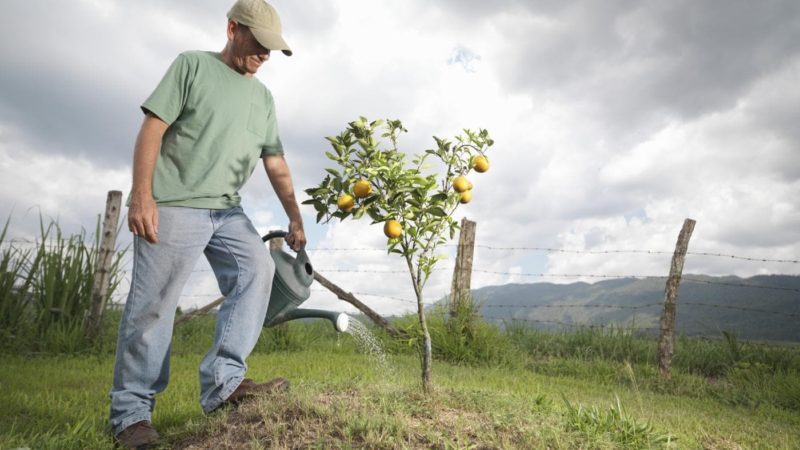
415, 208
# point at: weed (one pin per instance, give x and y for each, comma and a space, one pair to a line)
613, 423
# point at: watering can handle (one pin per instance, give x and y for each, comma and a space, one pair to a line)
301, 263
282, 234
274, 234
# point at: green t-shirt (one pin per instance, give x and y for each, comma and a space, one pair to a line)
220, 125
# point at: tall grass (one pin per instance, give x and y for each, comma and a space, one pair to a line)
17, 270
45, 290
702, 356
460, 338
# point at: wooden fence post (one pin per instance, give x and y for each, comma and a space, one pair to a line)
667, 341
102, 272
462, 274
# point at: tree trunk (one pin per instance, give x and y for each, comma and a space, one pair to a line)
426, 350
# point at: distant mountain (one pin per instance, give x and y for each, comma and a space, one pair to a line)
757, 308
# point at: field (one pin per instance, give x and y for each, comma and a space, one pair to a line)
522, 397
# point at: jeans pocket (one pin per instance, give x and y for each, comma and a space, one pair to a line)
257, 122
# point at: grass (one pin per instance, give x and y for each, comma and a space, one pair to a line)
45, 291
341, 399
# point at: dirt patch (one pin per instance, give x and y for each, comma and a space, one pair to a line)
349, 419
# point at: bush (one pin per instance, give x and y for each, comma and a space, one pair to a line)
45, 291
463, 338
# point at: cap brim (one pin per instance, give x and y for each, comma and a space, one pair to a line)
270, 40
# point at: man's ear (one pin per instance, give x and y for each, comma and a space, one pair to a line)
231, 29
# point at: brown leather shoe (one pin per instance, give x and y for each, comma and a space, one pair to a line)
139, 436
249, 388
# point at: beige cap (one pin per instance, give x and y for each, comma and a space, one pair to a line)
263, 21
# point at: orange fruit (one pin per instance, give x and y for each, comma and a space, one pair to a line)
362, 188
461, 184
346, 203
466, 196
392, 229
480, 164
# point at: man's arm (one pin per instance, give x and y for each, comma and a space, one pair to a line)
142, 212
281, 179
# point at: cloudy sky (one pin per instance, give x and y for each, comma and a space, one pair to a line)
614, 121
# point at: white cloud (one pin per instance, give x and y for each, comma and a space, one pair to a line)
612, 124
72, 190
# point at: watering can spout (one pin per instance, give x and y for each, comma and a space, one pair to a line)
340, 321
291, 287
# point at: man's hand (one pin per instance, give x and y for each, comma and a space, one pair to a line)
281, 179
143, 217
143, 213
296, 239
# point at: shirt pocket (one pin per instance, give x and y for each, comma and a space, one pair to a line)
257, 122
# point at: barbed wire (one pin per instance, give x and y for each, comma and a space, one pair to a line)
564, 250
630, 251
744, 258
366, 294
568, 275
643, 306
521, 248
738, 308
725, 283
559, 306
571, 325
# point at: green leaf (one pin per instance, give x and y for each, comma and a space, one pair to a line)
331, 156
437, 211
359, 213
320, 215
376, 217
371, 199
440, 197
333, 172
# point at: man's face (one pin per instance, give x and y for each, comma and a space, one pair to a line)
247, 54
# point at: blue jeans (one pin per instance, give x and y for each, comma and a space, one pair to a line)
244, 271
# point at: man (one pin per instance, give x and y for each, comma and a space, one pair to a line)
206, 126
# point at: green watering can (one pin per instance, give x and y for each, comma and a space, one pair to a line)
291, 287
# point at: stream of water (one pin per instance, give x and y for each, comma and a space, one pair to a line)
368, 344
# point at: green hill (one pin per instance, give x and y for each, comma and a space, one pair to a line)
759, 308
